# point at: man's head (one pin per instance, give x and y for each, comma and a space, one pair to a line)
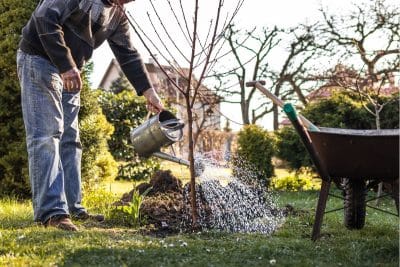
122, 2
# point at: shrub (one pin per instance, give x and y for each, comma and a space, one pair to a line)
291, 149
299, 181
14, 177
99, 200
97, 162
126, 111
255, 148
342, 110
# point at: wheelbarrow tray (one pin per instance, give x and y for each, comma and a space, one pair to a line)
352, 156
357, 154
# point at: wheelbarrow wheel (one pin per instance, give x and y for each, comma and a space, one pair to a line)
354, 203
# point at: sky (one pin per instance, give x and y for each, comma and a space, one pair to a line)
254, 13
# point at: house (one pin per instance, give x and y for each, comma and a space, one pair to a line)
206, 108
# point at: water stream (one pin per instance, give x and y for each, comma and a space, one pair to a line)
233, 204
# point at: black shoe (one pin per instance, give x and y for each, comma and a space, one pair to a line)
84, 216
62, 222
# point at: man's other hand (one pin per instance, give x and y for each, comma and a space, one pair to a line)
154, 104
72, 80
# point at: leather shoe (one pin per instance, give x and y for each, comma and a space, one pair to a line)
62, 222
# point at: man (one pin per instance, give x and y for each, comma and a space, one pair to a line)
56, 42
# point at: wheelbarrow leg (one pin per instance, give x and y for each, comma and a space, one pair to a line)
319, 214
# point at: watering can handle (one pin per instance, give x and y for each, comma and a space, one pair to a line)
148, 116
174, 124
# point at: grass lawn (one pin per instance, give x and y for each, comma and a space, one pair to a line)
26, 244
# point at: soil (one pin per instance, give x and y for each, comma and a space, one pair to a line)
163, 207
166, 207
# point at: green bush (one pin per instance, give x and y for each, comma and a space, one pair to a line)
299, 181
14, 177
342, 110
255, 149
126, 111
390, 113
99, 200
97, 162
291, 149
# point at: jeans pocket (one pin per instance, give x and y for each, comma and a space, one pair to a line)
45, 73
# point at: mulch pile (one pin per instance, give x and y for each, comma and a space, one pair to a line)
166, 207
163, 207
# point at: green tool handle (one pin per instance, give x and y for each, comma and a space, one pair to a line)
259, 85
292, 115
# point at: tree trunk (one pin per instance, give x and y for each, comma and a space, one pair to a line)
378, 127
191, 160
377, 119
245, 112
275, 113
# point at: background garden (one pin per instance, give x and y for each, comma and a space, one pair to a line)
110, 169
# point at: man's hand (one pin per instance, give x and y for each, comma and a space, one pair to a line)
153, 101
72, 80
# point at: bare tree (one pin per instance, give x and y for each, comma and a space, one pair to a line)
295, 75
368, 41
249, 56
253, 56
197, 53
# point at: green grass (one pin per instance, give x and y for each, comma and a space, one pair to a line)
25, 244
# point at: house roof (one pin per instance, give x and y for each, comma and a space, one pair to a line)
113, 64
159, 80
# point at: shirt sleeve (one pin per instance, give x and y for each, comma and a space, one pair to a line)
48, 17
129, 58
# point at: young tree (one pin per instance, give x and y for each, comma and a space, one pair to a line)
199, 50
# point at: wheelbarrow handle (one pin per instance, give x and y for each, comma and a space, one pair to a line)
279, 102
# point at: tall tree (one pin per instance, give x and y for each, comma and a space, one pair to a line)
367, 41
281, 56
293, 78
249, 53
13, 157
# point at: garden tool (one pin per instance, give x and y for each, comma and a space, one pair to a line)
159, 131
259, 85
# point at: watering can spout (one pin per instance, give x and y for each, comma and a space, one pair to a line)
169, 157
198, 164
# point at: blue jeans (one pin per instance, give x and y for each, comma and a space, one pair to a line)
52, 135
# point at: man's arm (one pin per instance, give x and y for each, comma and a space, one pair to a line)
48, 18
129, 59
133, 67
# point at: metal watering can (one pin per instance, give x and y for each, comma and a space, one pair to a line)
159, 131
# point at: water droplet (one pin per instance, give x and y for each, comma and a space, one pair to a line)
233, 204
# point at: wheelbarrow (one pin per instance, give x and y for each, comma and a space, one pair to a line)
355, 160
